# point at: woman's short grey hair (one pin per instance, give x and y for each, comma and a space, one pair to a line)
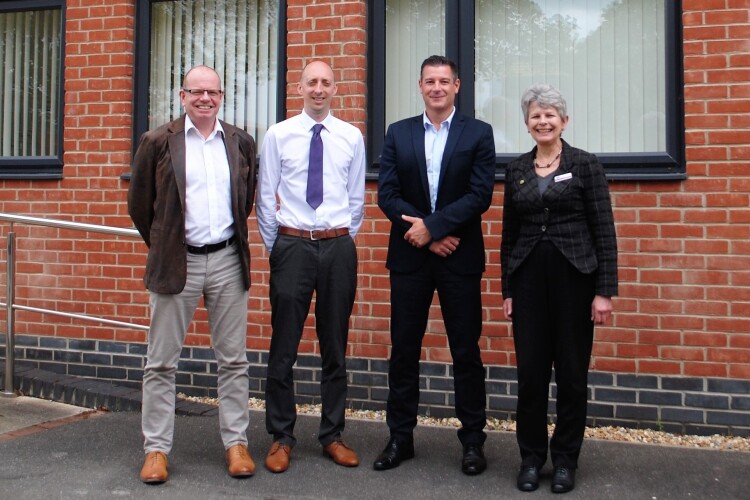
546, 96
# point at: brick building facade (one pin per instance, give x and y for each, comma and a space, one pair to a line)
676, 355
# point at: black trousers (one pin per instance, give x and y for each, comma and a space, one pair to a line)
551, 326
300, 267
461, 305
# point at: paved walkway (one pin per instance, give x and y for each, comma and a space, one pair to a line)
23, 415
78, 453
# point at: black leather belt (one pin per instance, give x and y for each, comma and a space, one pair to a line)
315, 234
214, 247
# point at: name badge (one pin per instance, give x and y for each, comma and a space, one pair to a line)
563, 177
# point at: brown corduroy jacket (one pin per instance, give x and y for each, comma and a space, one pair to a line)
156, 200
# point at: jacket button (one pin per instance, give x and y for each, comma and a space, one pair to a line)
544, 228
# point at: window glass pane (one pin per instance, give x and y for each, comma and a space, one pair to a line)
236, 37
607, 57
414, 30
30, 83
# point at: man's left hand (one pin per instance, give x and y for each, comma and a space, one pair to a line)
445, 246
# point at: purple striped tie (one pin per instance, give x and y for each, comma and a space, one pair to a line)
315, 170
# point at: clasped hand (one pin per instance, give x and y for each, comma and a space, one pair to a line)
418, 236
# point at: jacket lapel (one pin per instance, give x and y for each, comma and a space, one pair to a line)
456, 128
528, 182
417, 134
176, 142
233, 156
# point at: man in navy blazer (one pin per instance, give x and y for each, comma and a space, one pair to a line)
436, 180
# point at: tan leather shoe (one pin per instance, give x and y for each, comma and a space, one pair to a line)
154, 470
239, 461
277, 459
342, 454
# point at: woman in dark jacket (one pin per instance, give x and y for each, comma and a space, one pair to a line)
559, 272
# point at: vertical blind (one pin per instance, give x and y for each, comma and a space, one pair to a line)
415, 30
30, 49
238, 38
607, 58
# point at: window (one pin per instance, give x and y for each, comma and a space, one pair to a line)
239, 38
617, 62
416, 29
31, 94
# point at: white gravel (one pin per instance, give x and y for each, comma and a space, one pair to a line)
645, 436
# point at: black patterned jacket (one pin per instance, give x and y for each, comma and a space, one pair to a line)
575, 214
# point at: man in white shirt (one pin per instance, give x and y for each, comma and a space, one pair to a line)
312, 250
191, 191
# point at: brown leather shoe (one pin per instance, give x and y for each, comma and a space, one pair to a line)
239, 461
342, 454
154, 470
277, 459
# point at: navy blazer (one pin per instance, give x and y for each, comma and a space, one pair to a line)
575, 214
467, 179
156, 200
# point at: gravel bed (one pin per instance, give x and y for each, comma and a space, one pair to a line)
645, 436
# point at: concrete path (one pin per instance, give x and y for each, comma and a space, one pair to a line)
26, 414
98, 455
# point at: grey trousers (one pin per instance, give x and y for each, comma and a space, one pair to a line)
217, 277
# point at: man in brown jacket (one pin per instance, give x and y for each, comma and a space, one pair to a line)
191, 191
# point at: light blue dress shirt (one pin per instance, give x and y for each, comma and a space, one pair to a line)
434, 146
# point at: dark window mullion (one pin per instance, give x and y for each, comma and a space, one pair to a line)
375, 84
460, 48
142, 70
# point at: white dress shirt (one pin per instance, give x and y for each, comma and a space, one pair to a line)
434, 146
282, 179
208, 196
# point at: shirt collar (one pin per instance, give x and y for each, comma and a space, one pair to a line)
447, 121
190, 125
308, 122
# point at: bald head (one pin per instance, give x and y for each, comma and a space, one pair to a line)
317, 87
204, 71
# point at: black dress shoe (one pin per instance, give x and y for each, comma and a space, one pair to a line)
473, 462
528, 478
394, 453
563, 480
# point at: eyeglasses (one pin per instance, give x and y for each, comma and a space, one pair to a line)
200, 92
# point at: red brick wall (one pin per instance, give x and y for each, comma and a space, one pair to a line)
684, 246
63, 270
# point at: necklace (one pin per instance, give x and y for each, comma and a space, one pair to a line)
548, 165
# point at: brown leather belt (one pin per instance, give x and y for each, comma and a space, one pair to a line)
315, 234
